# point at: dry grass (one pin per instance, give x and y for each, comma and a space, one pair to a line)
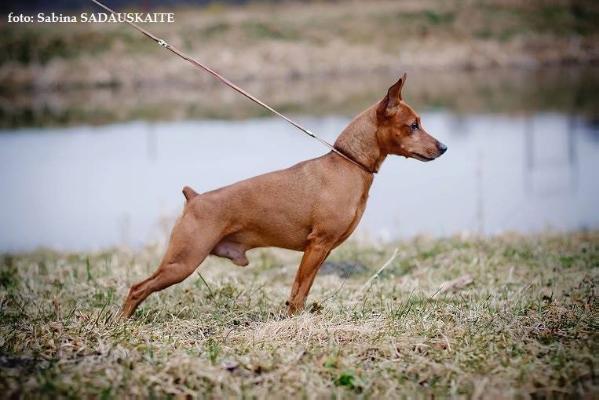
262, 42
525, 326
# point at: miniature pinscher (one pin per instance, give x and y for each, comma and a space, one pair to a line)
312, 206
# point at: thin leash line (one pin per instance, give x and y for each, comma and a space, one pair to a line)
227, 82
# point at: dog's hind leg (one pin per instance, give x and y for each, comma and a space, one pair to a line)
190, 243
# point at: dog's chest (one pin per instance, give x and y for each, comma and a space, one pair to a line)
343, 211
355, 219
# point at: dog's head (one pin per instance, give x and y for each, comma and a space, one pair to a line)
400, 130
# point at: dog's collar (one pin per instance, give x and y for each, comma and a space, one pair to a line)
353, 160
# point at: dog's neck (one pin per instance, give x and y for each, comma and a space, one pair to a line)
359, 140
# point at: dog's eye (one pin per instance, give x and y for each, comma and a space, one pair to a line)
414, 126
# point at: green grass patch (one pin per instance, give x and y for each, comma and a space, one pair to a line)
525, 326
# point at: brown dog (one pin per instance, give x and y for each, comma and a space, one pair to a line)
311, 207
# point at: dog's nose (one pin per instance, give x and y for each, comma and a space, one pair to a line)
442, 148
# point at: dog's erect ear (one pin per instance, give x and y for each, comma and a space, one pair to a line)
390, 103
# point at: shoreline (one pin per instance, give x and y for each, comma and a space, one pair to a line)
513, 91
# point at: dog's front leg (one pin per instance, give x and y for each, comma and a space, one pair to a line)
314, 255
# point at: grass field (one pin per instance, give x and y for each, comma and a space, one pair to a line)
263, 41
522, 319
314, 57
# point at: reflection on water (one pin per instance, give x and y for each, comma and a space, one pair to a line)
567, 90
85, 187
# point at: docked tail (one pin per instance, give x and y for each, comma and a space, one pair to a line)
189, 193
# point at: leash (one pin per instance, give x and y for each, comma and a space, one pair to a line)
227, 82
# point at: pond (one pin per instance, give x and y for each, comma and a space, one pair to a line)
119, 183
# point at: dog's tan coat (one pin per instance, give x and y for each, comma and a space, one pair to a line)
311, 207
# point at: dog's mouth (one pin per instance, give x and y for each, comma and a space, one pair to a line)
420, 157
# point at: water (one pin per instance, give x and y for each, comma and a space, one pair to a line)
88, 187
